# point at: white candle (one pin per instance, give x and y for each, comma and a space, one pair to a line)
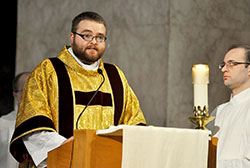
200, 76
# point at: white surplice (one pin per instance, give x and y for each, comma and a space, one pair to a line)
7, 124
233, 120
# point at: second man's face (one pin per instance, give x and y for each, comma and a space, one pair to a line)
88, 51
235, 76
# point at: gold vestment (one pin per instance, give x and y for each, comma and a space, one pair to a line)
38, 109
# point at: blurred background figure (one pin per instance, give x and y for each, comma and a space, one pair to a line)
7, 123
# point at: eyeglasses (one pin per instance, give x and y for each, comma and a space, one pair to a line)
89, 37
230, 64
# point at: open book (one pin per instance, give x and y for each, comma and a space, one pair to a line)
111, 131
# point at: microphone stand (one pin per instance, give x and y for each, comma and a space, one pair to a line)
77, 121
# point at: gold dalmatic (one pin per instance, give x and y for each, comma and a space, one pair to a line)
59, 89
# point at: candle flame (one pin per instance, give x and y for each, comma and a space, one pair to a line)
201, 66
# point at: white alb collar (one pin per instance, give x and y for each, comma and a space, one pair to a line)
241, 97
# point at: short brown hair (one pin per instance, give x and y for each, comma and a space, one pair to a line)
246, 47
86, 16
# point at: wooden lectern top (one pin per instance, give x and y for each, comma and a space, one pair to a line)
88, 150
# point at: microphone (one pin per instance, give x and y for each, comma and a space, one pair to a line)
100, 72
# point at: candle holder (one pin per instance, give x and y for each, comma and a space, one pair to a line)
201, 117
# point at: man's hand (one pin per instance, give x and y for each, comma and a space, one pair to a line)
66, 141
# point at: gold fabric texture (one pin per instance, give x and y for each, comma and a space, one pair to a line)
40, 96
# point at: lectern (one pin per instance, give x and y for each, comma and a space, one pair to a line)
88, 150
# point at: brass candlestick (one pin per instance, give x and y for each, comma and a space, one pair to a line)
201, 117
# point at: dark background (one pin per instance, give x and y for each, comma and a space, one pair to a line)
8, 52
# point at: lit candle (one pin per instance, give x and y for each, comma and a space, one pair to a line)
200, 76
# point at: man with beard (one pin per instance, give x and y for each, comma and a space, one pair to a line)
61, 94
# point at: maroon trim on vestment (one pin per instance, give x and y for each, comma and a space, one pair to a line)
65, 94
17, 148
142, 124
117, 88
103, 99
66, 107
66, 91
